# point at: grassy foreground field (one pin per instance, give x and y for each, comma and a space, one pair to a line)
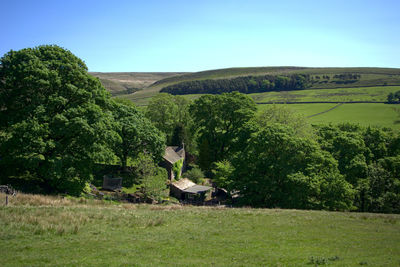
50, 231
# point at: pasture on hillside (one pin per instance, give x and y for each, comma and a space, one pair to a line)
53, 231
379, 114
367, 94
366, 114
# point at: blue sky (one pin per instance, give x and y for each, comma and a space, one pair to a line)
174, 35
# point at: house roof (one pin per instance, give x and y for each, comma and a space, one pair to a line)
173, 154
184, 183
188, 186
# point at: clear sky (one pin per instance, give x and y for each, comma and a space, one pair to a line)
174, 35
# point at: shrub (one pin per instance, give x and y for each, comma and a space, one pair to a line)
195, 174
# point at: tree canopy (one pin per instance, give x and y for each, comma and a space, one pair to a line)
218, 121
170, 114
135, 134
55, 116
279, 169
57, 121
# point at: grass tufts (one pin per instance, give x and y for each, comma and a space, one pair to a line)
155, 222
32, 230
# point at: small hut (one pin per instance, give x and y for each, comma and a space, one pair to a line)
185, 189
112, 183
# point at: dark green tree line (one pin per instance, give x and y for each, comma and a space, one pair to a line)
393, 98
246, 85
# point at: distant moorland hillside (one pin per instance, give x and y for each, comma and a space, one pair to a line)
373, 75
319, 78
121, 83
284, 80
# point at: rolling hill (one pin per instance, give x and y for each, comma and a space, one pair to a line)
371, 76
121, 83
371, 86
367, 77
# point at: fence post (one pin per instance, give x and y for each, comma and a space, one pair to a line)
6, 200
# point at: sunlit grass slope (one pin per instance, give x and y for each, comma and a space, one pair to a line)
366, 114
38, 231
371, 94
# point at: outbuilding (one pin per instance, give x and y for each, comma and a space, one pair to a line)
186, 190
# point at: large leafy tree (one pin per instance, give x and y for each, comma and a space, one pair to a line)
345, 142
54, 118
136, 134
170, 114
218, 121
277, 168
286, 116
368, 158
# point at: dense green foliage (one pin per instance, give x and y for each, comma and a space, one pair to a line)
55, 116
170, 114
278, 169
195, 174
152, 179
283, 115
135, 134
369, 160
247, 85
218, 121
393, 97
57, 121
276, 159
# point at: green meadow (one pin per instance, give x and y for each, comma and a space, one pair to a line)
370, 94
53, 231
379, 114
383, 115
